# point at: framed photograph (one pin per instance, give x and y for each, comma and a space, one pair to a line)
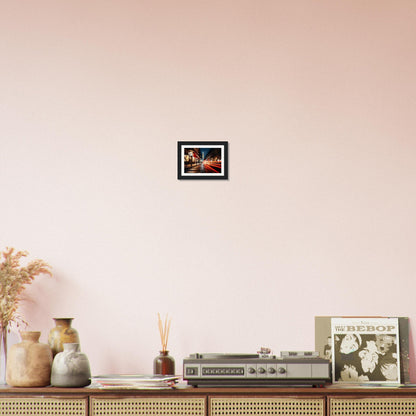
203, 160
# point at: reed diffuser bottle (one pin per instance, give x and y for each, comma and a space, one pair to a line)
164, 364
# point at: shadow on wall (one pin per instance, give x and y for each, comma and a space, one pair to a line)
47, 298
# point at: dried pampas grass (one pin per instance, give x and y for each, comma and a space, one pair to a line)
13, 280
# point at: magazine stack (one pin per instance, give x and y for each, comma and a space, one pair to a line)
117, 381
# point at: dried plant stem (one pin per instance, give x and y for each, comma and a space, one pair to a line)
13, 280
164, 329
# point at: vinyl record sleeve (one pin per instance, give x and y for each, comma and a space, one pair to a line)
323, 341
365, 350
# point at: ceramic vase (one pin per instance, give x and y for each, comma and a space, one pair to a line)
61, 334
70, 367
29, 362
164, 364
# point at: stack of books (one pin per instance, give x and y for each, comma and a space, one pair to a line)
120, 381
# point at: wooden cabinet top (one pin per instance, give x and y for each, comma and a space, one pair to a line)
217, 391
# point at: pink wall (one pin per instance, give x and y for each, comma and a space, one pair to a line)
316, 99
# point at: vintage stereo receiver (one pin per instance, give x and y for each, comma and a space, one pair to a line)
291, 368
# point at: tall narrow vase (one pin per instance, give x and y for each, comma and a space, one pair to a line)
3, 354
63, 333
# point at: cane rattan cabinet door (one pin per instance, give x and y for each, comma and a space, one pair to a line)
43, 406
148, 406
385, 406
266, 406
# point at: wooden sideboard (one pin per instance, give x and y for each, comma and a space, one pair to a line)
287, 401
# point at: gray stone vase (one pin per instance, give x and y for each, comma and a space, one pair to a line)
70, 368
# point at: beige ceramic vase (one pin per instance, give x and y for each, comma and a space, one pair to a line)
61, 334
29, 362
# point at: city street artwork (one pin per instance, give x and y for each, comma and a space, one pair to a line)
203, 160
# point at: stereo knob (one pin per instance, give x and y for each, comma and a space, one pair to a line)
281, 370
261, 370
251, 370
272, 370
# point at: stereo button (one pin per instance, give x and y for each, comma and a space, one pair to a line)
191, 371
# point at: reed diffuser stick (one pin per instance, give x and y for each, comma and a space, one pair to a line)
164, 329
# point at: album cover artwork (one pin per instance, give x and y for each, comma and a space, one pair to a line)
325, 345
365, 350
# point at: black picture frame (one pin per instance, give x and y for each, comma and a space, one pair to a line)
203, 160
